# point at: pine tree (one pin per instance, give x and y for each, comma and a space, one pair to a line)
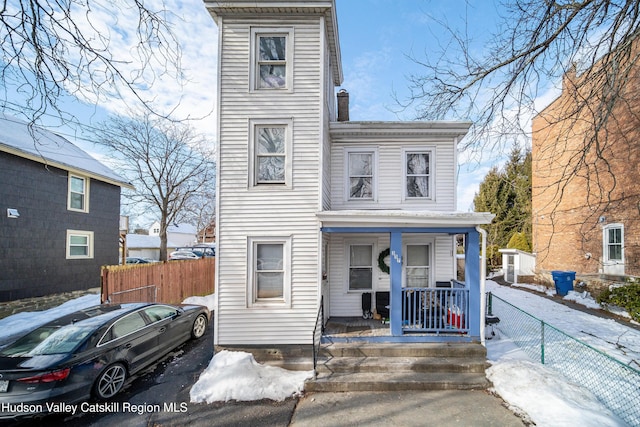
507, 194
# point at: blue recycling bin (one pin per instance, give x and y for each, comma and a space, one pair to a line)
564, 281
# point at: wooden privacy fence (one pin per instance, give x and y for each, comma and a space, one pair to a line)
169, 282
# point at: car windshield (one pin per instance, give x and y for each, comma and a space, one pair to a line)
48, 340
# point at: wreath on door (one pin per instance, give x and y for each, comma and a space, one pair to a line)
382, 263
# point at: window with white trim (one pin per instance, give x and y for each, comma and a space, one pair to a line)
360, 267
79, 244
417, 269
417, 174
361, 174
270, 151
270, 273
272, 58
78, 194
613, 242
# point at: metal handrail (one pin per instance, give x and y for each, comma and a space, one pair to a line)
318, 331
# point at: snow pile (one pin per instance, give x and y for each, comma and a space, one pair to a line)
582, 298
209, 301
544, 397
237, 376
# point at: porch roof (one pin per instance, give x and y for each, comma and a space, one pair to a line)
402, 219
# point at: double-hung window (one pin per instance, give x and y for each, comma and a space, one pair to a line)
269, 261
78, 194
271, 56
79, 244
360, 267
417, 266
613, 240
417, 174
270, 153
361, 172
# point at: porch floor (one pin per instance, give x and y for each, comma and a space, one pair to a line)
356, 327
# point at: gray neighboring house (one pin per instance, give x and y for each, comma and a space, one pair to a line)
59, 213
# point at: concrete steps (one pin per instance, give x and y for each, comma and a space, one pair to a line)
393, 367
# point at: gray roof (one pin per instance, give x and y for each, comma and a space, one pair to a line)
143, 241
19, 138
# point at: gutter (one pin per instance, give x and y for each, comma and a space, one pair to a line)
483, 275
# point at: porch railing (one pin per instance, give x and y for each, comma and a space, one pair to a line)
318, 330
435, 310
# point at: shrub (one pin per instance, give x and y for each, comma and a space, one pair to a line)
627, 297
519, 241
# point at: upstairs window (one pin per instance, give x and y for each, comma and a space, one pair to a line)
272, 59
361, 166
417, 167
77, 199
270, 155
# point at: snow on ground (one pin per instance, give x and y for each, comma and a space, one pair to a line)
537, 393
237, 376
606, 335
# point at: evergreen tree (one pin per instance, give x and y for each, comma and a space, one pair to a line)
507, 194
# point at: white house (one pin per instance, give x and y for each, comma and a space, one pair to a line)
177, 235
309, 204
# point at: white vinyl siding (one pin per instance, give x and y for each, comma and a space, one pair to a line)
246, 210
390, 184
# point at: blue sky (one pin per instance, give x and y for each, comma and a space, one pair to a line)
376, 36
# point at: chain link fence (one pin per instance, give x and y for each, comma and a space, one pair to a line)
614, 383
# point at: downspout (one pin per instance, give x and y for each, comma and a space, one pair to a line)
483, 275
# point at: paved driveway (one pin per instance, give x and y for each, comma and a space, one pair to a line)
160, 396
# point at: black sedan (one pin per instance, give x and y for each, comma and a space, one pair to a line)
91, 353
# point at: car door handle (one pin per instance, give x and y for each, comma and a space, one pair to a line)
128, 345
161, 330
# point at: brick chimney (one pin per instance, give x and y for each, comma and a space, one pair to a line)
343, 106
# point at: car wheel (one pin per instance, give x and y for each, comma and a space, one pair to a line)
199, 326
110, 381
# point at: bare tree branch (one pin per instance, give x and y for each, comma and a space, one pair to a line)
59, 47
168, 163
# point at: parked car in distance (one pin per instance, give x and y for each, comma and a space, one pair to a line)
203, 250
136, 260
182, 254
91, 353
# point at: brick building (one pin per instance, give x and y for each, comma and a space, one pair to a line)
585, 195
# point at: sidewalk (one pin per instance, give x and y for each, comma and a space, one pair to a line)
404, 408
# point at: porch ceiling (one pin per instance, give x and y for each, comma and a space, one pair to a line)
403, 219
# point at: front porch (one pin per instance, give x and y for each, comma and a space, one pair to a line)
423, 302
428, 314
